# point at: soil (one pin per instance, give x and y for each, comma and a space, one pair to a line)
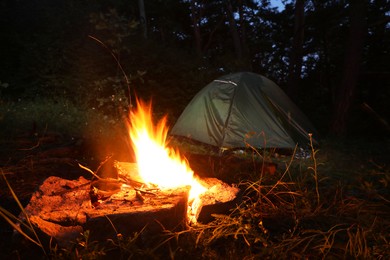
27, 159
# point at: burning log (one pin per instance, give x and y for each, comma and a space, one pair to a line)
218, 198
63, 209
130, 210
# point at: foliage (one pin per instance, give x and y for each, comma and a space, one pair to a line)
60, 115
116, 29
50, 53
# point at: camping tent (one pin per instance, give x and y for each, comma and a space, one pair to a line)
244, 108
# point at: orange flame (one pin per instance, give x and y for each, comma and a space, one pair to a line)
157, 163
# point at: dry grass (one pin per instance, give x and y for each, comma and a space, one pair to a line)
19, 223
330, 206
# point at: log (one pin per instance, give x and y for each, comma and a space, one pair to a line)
219, 198
62, 209
129, 172
129, 211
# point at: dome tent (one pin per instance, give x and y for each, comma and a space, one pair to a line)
244, 108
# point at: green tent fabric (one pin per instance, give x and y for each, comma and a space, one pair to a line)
244, 108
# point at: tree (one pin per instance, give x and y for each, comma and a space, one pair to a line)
196, 15
142, 18
234, 30
295, 66
355, 44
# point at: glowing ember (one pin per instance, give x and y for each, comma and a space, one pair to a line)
157, 163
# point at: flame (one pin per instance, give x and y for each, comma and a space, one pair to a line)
157, 163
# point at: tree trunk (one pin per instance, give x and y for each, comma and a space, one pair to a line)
295, 66
243, 31
234, 31
195, 17
345, 95
142, 17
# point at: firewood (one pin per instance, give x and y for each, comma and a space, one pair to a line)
65, 206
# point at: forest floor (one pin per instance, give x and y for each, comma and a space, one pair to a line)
360, 170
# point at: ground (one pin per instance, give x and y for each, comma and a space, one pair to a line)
360, 168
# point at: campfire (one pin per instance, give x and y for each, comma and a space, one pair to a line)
157, 164
158, 191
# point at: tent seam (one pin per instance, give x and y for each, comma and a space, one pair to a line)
229, 112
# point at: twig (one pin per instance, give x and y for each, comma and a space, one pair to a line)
119, 65
38, 143
375, 115
72, 189
144, 191
90, 171
139, 196
104, 162
314, 168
